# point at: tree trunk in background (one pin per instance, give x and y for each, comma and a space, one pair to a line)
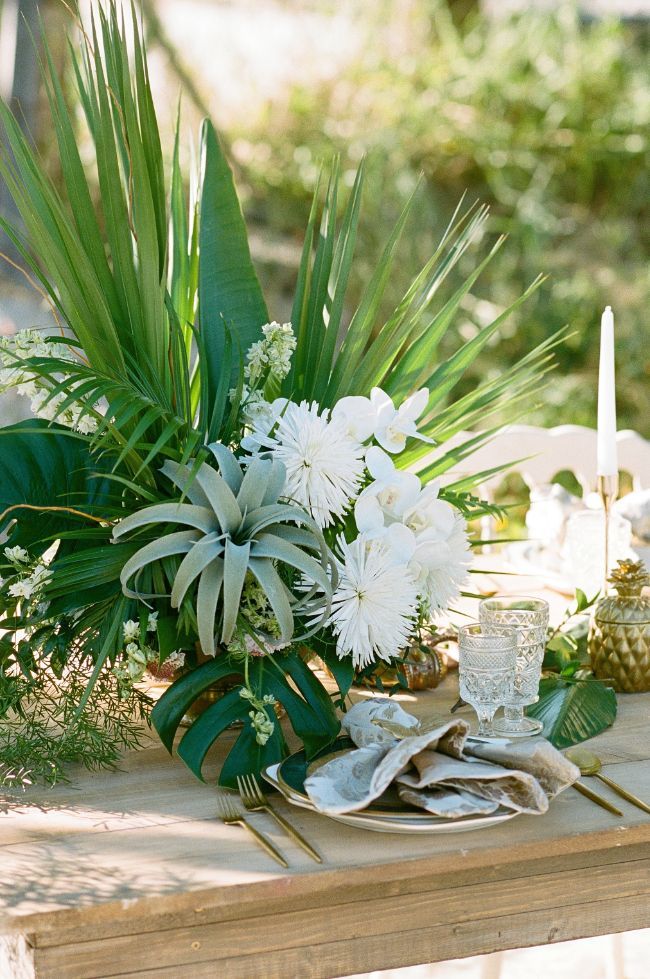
461, 8
18, 87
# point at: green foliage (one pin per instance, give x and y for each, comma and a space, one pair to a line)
398, 352
229, 293
572, 704
542, 115
48, 467
42, 731
573, 710
285, 676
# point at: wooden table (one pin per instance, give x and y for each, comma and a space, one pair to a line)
129, 874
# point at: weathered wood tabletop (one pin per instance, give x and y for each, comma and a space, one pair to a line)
130, 874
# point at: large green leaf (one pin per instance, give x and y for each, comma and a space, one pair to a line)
309, 709
45, 465
229, 292
249, 757
573, 711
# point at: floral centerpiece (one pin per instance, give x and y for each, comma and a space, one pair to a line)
202, 486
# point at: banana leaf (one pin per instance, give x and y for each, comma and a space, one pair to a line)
573, 710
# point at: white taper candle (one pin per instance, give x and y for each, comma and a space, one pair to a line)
607, 459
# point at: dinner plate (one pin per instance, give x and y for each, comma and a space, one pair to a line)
294, 769
389, 814
422, 823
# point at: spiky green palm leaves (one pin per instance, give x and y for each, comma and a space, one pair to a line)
234, 525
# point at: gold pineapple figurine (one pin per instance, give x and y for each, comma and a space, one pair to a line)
619, 639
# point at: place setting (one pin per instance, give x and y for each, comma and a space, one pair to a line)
390, 772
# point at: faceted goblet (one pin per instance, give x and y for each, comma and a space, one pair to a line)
486, 669
529, 616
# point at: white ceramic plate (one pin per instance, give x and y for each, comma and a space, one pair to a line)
396, 824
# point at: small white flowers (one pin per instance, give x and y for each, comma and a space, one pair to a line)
270, 357
131, 630
260, 720
15, 373
32, 581
324, 463
21, 589
17, 555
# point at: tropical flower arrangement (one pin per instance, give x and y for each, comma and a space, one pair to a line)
206, 490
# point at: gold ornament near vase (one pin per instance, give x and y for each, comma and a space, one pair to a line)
619, 638
423, 666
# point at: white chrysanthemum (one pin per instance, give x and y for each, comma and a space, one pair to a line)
324, 464
441, 561
374, 605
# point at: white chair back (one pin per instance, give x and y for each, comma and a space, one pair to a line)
539, 454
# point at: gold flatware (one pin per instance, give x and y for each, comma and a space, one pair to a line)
590, 764
230, 815
255, 801
598, 799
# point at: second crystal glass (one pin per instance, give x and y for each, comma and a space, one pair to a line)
486, 669
529, 616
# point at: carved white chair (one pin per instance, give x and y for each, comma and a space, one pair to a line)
539, 454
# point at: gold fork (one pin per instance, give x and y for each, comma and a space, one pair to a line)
229, 814
255, 801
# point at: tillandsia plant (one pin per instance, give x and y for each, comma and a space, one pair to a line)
204, 487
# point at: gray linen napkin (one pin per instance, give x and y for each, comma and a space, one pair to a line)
434, 767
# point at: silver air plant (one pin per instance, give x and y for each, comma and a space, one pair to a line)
235, 525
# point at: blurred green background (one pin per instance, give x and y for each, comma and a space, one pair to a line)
542, 114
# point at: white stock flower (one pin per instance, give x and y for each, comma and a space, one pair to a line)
260, 417
16, 554
272, 355
374, 605
324, 464
387, 498
22, 589
394, 425
152, 622
131, 630
16, 374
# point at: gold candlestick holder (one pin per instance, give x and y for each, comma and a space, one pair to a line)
608, 491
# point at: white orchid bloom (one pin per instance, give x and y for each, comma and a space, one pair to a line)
358, 415
431, 516
392, 493
398, 543
440, 564
394, 425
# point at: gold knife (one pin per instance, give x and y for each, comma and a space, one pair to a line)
598, 799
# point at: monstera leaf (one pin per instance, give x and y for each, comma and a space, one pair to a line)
285, 675
44, 465
235, 526
573, 710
